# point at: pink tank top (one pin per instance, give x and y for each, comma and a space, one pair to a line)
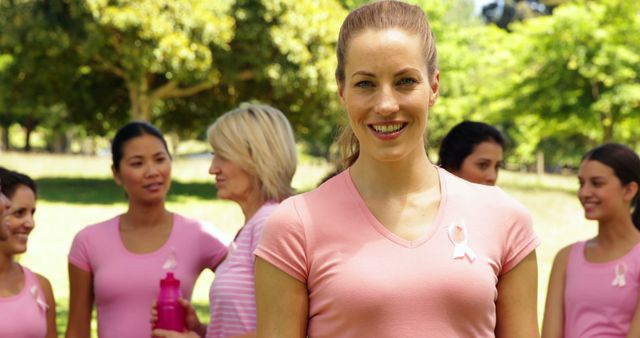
25, 314
600, 298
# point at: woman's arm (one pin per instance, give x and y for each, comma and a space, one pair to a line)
516, 307
52, 329
80, 303
553, 323
282, 303
634, 329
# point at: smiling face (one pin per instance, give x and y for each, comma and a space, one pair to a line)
145, 170
482, 165
386, 93
601, 193
19, 220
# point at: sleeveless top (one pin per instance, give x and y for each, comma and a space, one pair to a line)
600, 298
24, 315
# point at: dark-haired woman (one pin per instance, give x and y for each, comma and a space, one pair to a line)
473, 151
595, 284
117, 264
27, 306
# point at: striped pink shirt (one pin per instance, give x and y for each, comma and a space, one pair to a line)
232, 296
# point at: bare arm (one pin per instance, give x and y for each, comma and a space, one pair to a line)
634, 329
516, 307
282, 303
553, 323
80, 303
52, 329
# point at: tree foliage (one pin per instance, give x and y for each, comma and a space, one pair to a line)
558, 83
576, 73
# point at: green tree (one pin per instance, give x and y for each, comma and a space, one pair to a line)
282, 53
578, 73
160, 49
37, 67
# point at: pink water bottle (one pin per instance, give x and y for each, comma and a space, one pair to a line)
170, 312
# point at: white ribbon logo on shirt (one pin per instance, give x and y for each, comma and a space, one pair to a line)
41, 303
459, 237
619, 280
172, 261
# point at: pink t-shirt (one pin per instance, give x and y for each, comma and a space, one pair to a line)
232, 296
600, 299
25, 314
125, 283
365, 281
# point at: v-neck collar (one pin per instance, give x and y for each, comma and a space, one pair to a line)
368, 216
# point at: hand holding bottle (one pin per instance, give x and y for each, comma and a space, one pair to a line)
191, 320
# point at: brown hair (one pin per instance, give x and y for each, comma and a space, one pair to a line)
626, 166
381, 15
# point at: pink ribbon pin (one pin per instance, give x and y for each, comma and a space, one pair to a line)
172, 261
619, 280
41, 302
459, 237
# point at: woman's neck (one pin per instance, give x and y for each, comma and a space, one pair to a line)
6, 264
141, 215
251, 205
617, 230
398, 178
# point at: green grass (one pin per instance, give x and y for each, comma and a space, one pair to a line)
78, 190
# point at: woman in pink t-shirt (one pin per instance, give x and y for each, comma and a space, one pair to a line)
595, 284
254, 161
117, 264
393, 246
26, 299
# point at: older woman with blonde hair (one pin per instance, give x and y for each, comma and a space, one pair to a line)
254, 159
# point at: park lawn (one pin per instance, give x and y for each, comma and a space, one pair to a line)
78, 190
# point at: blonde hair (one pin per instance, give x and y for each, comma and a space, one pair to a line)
381, 15
259, 139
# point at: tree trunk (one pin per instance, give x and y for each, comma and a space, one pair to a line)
607, 122
141, 102
540, 163
5, 138
28, 130
60, 143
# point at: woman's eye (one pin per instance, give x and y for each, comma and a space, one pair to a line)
483, 166
364, 84
407, 81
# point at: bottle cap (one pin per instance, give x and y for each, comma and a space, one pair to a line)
170, 281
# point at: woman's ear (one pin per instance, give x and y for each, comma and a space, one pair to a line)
116, 175
630, 191
435, 89
340, 90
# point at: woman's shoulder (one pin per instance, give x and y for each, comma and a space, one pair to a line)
458, 188
100, 227
336, 186
190, 226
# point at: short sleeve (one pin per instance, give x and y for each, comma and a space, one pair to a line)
283, 241
521, 240
79, 253
212, 250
